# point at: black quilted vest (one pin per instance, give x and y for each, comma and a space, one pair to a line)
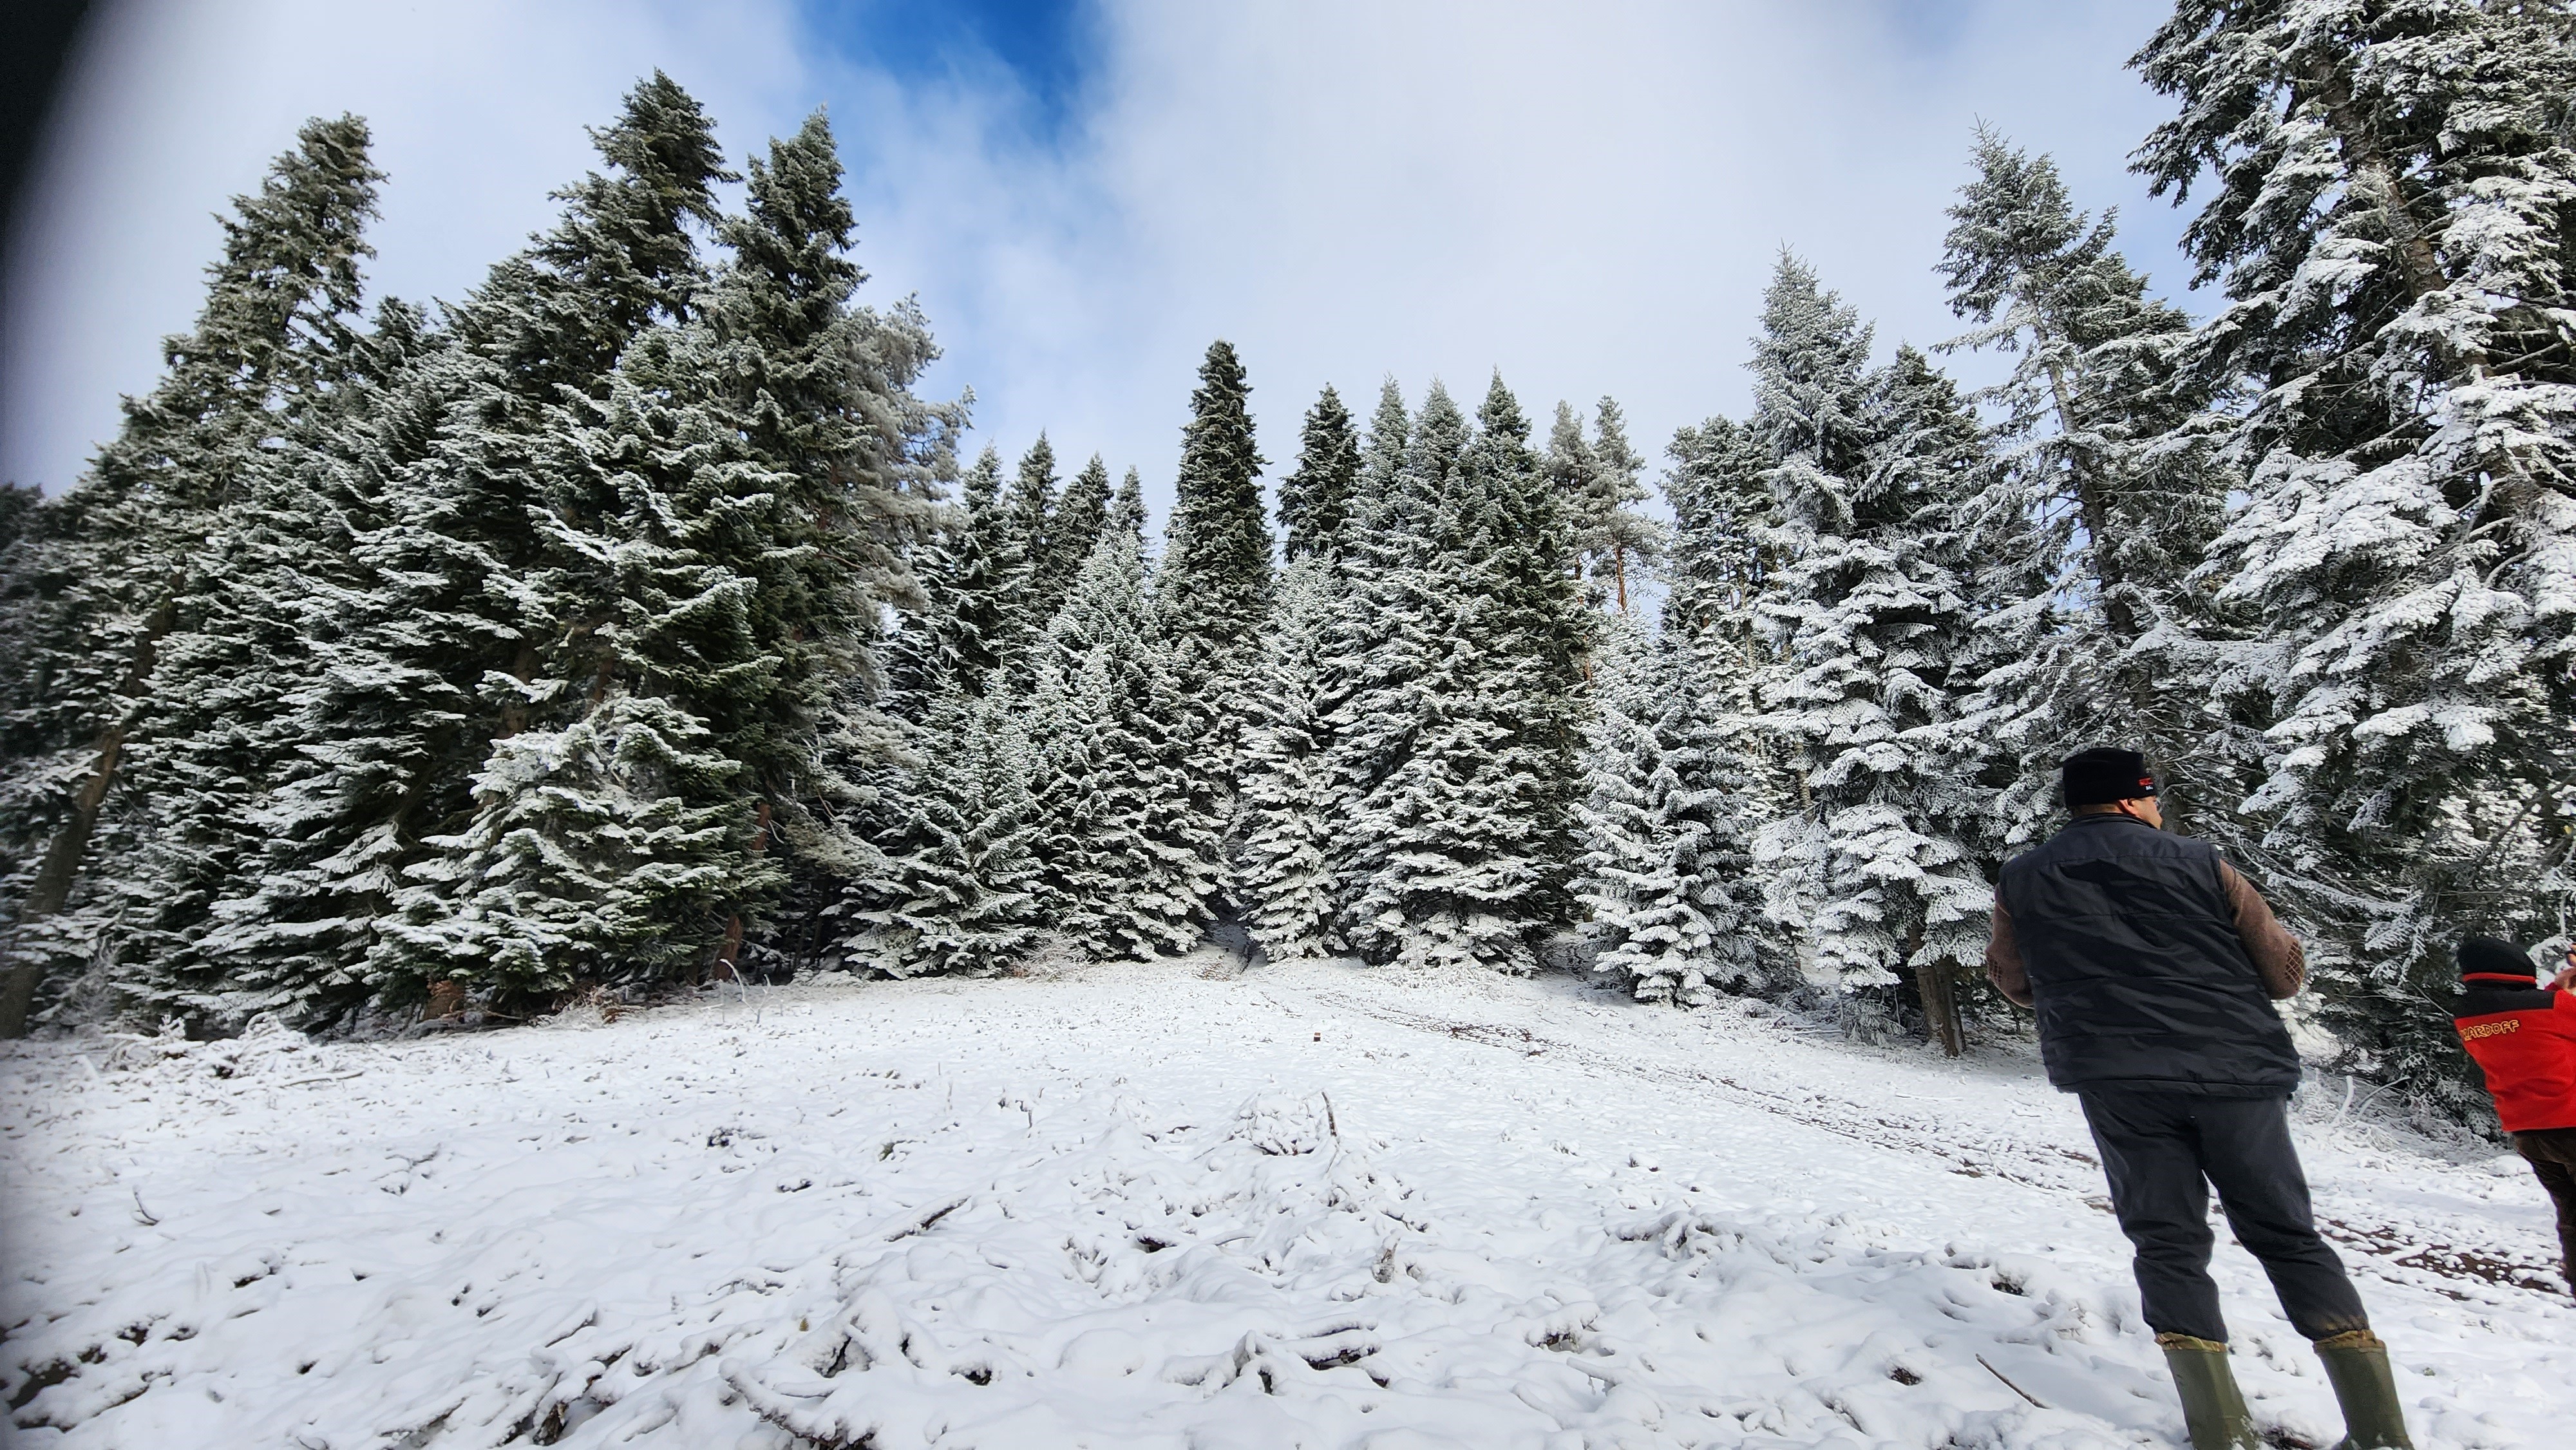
2135, 967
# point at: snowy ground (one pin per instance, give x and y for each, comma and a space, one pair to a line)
1317, 1206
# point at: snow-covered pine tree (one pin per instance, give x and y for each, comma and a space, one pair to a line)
1600, 483
1664, 858
1866, 615
1377, 641
837, 468
2388, 189
490, 585
1384, 644
1003, 599
1548, 635
1127, 846
1315, 498
1215, 570
1725, 547
956, 890
1284, 870
2104, 495
1127, 510
115, 566
1081, 517
232, 913
587, 845
1030, 504
1455, 851
1212, 587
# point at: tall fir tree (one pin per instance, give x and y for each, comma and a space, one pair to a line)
957, 891
1663, 870
1081, 517
1315, 502
771, 462
1127, 843
1216, 564
1285, 860
2387, 188
2105, 494
1600, 481
510, 494
118, 564
1029, 504
1213, 587
1866, 616
1725, 548
1453, 745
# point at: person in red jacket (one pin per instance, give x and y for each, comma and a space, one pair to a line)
2524, 1039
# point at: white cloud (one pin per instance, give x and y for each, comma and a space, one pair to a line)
173, 107
1589, 198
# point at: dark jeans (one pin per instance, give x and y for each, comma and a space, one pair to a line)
2162, 1153
2552, 1153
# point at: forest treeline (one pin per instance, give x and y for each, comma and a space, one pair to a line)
634, 620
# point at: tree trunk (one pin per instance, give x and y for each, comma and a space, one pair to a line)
729, 956
2374, 177
52, 888
1939, 989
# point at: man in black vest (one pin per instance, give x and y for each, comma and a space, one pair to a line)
2153, 965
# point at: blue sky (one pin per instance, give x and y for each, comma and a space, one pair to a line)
1045, 44
1083, 195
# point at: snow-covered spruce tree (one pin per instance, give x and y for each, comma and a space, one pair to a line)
1215, 570
1003, 597
1081, 517
1127, 510
956, 890
491, 576
1284, 864
1384, 645
1315, 498
1458, 741
1599, 482
1212, 584
1866, 616
1663, 864
820, 393
1127, 844
587, 844
2104, 495
976, 604
1725, 547
234, 911
1030, 504
765, 488
2387, 193
1378, 640
118, 563
1548, 637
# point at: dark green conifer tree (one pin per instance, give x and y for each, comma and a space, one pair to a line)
1215, 570
120, 562
2384, 193
1315, 499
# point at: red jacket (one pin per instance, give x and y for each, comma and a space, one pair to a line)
2525, 1041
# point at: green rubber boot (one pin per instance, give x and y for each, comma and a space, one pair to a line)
2357, 1367
2212, 1408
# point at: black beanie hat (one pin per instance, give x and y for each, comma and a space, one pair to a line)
2099, 777
2486, 956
